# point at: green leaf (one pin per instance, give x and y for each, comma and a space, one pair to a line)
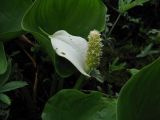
133, 71
12, 86
140, 99
5, 99
4, 77
11, 13
77, 17
115, 66
3, 59
75, 105
147, 51
97, 75
125, 5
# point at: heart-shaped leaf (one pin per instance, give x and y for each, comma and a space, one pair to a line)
140, 98
11, 14
75, 105
77, 17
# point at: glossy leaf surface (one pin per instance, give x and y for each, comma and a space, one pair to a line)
54, 15
11, 14
75, 105
140, 98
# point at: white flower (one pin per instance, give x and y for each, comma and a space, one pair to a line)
76, 49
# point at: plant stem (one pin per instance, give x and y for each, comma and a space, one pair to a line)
80, 82
35, 86
115, 23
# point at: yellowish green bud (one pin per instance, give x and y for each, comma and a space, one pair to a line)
94, 51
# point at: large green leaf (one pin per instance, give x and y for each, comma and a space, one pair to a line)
125, 5
11, 13
75, 105
140, 98
3, 59
77, 17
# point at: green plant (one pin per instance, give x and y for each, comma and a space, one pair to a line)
70, 45
138, 99
78, 105
125, 5
6, 85
114, 66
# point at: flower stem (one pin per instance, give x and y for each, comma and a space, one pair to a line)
80, 82
115, 23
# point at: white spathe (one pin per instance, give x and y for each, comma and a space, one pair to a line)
71, 47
